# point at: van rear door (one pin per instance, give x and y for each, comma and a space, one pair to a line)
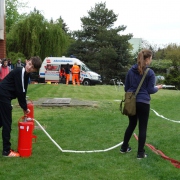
52, 73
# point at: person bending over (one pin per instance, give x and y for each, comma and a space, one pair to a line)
13, 86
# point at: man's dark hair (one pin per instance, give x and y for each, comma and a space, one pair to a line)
36, 61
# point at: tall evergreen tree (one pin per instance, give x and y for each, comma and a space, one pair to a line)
63, 24
99, 44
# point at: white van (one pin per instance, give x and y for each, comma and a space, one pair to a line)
50, 68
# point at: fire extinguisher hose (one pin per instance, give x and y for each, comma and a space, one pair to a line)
48, 135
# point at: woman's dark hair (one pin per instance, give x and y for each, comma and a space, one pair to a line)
3, 60
142, 56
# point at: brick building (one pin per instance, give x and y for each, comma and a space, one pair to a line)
3, 47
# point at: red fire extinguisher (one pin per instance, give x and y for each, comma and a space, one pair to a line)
30, 116
25, 137
30, 106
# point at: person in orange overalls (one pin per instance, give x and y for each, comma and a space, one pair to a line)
75, 74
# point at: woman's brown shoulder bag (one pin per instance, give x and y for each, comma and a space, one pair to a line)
128, 105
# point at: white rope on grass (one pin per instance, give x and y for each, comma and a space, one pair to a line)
164, 117
93, 151
48, 135
74, 151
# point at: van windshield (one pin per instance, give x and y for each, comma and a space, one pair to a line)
85, 68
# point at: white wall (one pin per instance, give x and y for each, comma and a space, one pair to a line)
2, 15
136, 43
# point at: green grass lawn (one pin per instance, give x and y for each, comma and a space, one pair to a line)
94, 128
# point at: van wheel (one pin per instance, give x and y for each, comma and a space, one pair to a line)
86, 82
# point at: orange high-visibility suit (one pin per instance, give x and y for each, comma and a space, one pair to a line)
75, 74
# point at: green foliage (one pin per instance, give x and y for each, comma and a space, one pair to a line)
36, 36
15, 56
171, 52
99, 45
160, 66
160, 54
32, 35
173, 78
12, 14
63, 24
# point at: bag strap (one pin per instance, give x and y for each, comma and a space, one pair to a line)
137, 90
121, 106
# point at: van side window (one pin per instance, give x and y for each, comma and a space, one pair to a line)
83, 68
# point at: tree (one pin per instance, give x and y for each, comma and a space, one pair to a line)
152, 47
12, 14
99, 44
34, 35
172, 52
31, 34
63, 24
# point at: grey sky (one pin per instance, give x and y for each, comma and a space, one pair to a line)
156, 21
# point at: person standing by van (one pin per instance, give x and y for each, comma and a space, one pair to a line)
11, 66
75, 74
13, 86
67, 71
4, 69
148, 87
62, 73
19, 64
